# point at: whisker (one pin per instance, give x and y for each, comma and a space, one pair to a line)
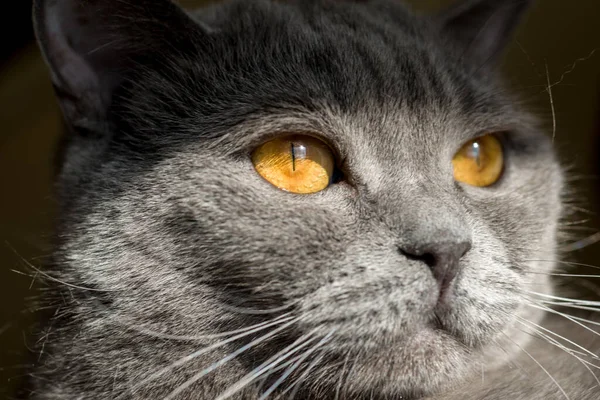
184, 338
583, 362
535, 69
205, 350
224, 360
277, 369
248, 311
580, 244
541, 367
548, 309
54, 279
511, 360
591, 354
572, 68
292, 368
274, 360
338, 387
509, 356
568, 263
549, 90
569, 305
579, 222
567, 299
295, 386
572, 353
586, 320
565, 275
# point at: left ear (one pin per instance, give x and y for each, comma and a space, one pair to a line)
90, 46
482, 28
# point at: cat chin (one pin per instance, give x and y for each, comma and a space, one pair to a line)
404, 367
411, 360
514, 339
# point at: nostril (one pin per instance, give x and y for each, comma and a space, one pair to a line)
442, 258
427, 258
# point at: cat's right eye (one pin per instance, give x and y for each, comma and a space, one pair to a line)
479, 162
299, 164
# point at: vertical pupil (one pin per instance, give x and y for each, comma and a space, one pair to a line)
293, 158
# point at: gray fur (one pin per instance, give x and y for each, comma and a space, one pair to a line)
166, 229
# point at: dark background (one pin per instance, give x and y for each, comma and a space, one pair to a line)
15, 29
559, 38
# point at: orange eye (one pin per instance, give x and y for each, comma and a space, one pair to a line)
297, 164
479, 162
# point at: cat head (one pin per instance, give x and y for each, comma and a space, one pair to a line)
397, 264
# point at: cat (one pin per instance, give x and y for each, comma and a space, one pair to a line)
315, 199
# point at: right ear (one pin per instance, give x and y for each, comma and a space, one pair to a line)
482, 28
89, 46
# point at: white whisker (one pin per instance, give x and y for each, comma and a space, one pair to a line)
569, 305
586, 320
200, 352
338, 388
248, 311
586, 364
274, 360
542, 368
224, 360
580, 244
572, 68
295, 386
565, 275
567, 263
591, 354
274, 370
548, 309
549, 90
511, 360
54, 279
184, 338
292, 368
569, 300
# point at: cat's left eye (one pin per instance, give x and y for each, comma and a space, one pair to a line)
479, 162
299, 163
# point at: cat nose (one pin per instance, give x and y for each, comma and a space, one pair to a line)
442, 257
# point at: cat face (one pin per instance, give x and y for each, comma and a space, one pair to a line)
405, 278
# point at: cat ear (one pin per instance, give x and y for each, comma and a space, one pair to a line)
482, 27
90, 44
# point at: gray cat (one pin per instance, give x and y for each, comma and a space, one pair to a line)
315, 199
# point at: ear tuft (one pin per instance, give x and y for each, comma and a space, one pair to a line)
482, 27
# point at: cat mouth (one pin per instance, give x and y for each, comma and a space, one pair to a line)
396, 354
385, 333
